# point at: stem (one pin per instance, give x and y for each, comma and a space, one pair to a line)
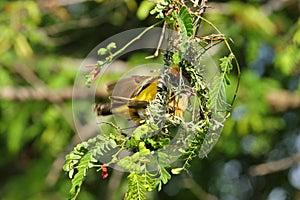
113, 125
133, 40
201, 12
159, 42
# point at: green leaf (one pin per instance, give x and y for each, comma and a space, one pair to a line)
218, 94
143, 150
73, 158
136, 187
165, 176
159, 8
143, 130
102, 51
88, 80
176, 58
163, 159
185, 22
100, 145
140, 183
111, 46
82, 158
226, 67
144, 9
217, 100
287, 60
80, 175
177, 170
22, 46
130, 163
100, 63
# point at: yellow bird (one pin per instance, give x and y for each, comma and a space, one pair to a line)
132, 95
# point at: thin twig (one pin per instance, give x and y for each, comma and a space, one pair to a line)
112, 56
201, 11
162, 35
113, 125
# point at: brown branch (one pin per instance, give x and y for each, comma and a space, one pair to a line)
201, 11
281, 100
40, 91
84, 22
275, 5
275, 166
54, 96
268, 8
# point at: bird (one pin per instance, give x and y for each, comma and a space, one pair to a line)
131, 96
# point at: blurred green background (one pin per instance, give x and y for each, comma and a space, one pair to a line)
42, 44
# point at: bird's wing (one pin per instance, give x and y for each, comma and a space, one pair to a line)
126, 87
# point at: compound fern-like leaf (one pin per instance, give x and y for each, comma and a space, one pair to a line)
136, 187
185, 22
78, 179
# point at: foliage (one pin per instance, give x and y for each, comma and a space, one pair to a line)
42, 46
288, 57
185, 22
152, 138
82, 158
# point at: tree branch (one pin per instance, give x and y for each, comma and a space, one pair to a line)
38, 94
202, 9
281, 100
268, 8
275, 5
275, 166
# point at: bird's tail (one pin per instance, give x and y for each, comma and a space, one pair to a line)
103, 109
